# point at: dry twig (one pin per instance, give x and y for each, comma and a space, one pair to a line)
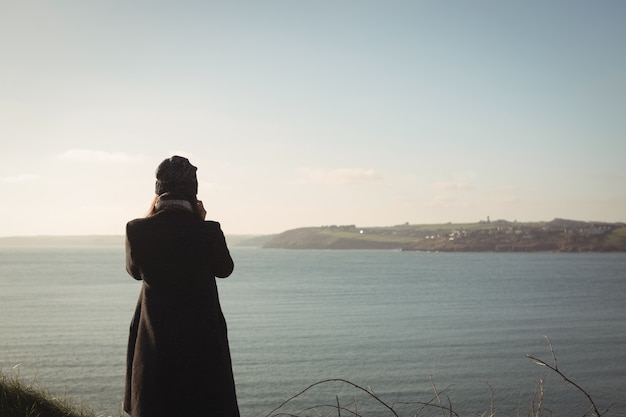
555, 368
368, 392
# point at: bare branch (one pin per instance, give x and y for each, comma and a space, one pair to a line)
338, 406
437, 395
565, 378
556, 362
360, 388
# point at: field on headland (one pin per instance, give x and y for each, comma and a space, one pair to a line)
487, 236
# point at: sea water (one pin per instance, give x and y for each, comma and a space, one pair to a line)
405, 328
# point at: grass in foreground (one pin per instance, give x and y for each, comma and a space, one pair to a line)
20, 400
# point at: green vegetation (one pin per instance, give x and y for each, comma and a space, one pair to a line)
19, 400
617, 238
558, 235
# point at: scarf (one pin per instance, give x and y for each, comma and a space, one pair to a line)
163, 204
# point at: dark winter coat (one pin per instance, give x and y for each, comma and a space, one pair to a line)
178, 360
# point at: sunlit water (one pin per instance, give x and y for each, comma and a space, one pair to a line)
404, 324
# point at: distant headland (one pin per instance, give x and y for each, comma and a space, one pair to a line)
558, 235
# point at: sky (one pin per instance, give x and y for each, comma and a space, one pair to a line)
312, 113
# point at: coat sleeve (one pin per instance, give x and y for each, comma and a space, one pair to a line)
221, 262
131, 267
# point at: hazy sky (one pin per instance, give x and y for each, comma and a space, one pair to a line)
309, 113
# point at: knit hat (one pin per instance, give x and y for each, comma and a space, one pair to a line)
176, 175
